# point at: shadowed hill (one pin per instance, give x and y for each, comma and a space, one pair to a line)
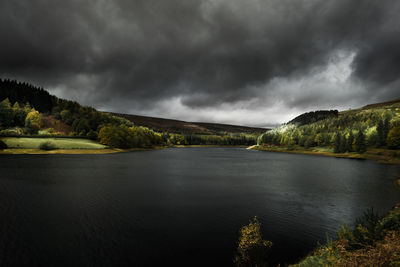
183, 127
82, 119
382, 104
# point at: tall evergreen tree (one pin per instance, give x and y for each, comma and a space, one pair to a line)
360, 142
336, 143
386, 128
379, 130
383, 130
6, 113
343, 144
349, 143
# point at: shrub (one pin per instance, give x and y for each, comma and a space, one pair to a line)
92, 135
366, 232
390, 222
12, 132
47, 146
3, 145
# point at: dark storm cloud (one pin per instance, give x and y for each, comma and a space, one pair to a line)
203, 55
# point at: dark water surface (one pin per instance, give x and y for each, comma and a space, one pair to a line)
178, 206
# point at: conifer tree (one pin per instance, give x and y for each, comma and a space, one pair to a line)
350, 142
386, 128
343, 143
360, 142
6, 113
336, 143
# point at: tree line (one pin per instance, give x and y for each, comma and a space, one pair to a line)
23, 105
350, 131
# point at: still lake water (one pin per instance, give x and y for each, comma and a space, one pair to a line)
180, 206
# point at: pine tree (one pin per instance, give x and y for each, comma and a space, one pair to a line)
336, 143
360, 142
343, 142
383, 130
6, 113
349, 144
386, 128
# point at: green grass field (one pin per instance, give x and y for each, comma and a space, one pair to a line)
59, 143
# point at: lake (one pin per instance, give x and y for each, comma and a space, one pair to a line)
178, 206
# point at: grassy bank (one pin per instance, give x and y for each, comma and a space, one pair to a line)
375, 241
35, 151
381, 155
26, 145
207, 146
59, 143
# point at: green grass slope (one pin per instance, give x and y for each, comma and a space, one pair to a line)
59, 143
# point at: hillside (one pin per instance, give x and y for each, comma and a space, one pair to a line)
27, 110
382, 104
373, 130
183, 127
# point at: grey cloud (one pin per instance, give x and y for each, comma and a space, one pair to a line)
206, 53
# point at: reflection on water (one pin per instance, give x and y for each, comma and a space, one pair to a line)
178, 206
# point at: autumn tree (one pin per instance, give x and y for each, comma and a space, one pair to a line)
35, 119
393, 138
252, 249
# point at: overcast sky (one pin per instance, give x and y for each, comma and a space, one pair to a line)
256, 63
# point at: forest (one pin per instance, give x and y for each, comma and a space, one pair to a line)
346, 131
25, 109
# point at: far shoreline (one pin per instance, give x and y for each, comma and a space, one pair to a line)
376, 155
37, 151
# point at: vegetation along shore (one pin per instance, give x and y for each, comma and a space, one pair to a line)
373, 241
33, 121
31, 118
370, 132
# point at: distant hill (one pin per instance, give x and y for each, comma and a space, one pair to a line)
382, 104
183, 127
83, 119
374, 126
314, 116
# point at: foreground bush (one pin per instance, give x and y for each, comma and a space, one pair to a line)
47, 146
375, 241
252, 249
3, 145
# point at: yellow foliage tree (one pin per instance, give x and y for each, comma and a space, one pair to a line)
252, 249
393, 138
35, 119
